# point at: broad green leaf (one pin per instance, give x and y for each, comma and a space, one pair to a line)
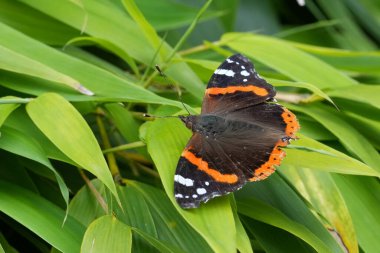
368, 127
18, 174
353, 141
242, 240
318, 156
214, 220
169, 225
105, 86
5, 246
18, 143
362, 93
116, 21
327, 200
304, 85
41, 217
361, 195
166, 15
6, 109
160, 246
66, 128
146, 209
274, 202
21, 16
20, 120
260, 211
144, 25
273, 239
84, 207
18, 63
350, 36
107, 234
287, 59
353, 61
109, 46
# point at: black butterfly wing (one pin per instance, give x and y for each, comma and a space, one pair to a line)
203, 172
235, 84
248, 149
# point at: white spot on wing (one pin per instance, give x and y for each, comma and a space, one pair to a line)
242, 67
183, 181
195, 196
178, 195
226, 72
207, 183
201, 191
244, 80
229, 61
244, 73
301, 2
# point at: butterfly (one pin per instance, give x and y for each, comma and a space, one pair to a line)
236, 139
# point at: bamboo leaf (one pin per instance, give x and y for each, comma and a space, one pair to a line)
15, 62
41, 217
107, 234
288, 60
6, 109
66, 128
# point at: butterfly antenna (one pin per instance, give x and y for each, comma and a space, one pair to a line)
179, 92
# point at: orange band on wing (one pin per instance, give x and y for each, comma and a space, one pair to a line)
292, 125
203, 166
265, 170
232, 89
268, 168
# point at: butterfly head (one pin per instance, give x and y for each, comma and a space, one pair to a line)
190, 121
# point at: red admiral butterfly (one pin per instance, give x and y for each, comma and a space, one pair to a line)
236, 139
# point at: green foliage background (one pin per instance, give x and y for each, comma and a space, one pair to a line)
83, 170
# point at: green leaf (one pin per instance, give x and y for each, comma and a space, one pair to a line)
144, 25
103, 14
111, 47
105, 86
166, 15
160, 246
353, 141
242, 240
16, 62
6, 109
181, 235
18, 143
287, 59
361, 193
265, 213
304, 85
353, 61
318, 156
274, 202
273, 239
145, 209
107, 234
328, 201
41, 217
66, 128
214, 220
362, 93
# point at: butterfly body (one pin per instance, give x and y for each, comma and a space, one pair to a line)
237, 138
